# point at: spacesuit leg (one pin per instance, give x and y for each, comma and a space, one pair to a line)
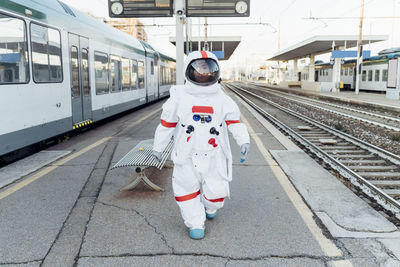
186, 188
214, 194
215, 187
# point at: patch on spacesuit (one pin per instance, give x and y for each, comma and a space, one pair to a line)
202, 109
168, 124
214, 200
187, 197
231, 122
211, 141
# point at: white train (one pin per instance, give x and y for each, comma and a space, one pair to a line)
374, 72
61, 69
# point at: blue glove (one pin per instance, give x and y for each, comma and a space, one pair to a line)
157, 155
244, 149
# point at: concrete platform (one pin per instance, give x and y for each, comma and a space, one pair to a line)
74, 215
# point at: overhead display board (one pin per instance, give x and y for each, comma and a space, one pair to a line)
217, 8
140, 8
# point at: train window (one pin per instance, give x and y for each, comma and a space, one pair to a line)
126, 72
141, 74
75, 92
151, 67
115, 71
351, 71
341, 72
384, 75
101, 73
134, 74
155, 60
85, 72
364, 75
14, 59
377, 75
370, 75
346, 71
46, 54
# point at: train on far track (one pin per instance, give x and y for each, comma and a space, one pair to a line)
61, 69
374, 72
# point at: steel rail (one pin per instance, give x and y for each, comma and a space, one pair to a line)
292, 98
386, 201
327, 103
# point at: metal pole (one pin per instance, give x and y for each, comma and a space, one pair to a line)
279, 35
179, 14
187, 35
359, 50
205, 34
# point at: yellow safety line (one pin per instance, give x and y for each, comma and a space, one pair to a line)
48, 169
329, 248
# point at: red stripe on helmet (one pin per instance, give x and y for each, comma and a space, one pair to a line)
204, 54
230, 122
168, 124
202, 109
187, 197
215, 200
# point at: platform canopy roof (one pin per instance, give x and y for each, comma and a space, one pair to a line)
227, 44
321, 44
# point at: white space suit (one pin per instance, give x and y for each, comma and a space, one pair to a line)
199, 115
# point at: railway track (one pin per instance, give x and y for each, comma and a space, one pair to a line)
373, 170
381, 120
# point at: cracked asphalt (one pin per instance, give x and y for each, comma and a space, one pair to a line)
76, 216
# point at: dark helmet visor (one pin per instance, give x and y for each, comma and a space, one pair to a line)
203, 71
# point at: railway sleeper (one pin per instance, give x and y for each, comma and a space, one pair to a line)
354, 156
384, 183
364, 162
377, 175
334, 147
374, 168
356, 152
316, 134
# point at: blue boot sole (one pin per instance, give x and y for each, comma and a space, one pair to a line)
196, 233
211, 216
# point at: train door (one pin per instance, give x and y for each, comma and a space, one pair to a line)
80, 85
153, 79
316, 77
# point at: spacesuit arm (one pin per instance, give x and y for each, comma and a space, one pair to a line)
238, 129
169, 120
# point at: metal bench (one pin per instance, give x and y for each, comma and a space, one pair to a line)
141, 157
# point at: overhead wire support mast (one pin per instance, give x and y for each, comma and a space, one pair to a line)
359, 50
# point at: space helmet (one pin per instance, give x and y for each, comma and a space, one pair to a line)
202, 71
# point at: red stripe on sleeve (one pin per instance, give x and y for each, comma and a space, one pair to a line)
230, 122
214, 200
168, 124
204, 54
187, 197
202, 109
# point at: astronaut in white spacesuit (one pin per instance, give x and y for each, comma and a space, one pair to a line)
199, 114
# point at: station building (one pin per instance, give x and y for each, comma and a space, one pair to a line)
312, 77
